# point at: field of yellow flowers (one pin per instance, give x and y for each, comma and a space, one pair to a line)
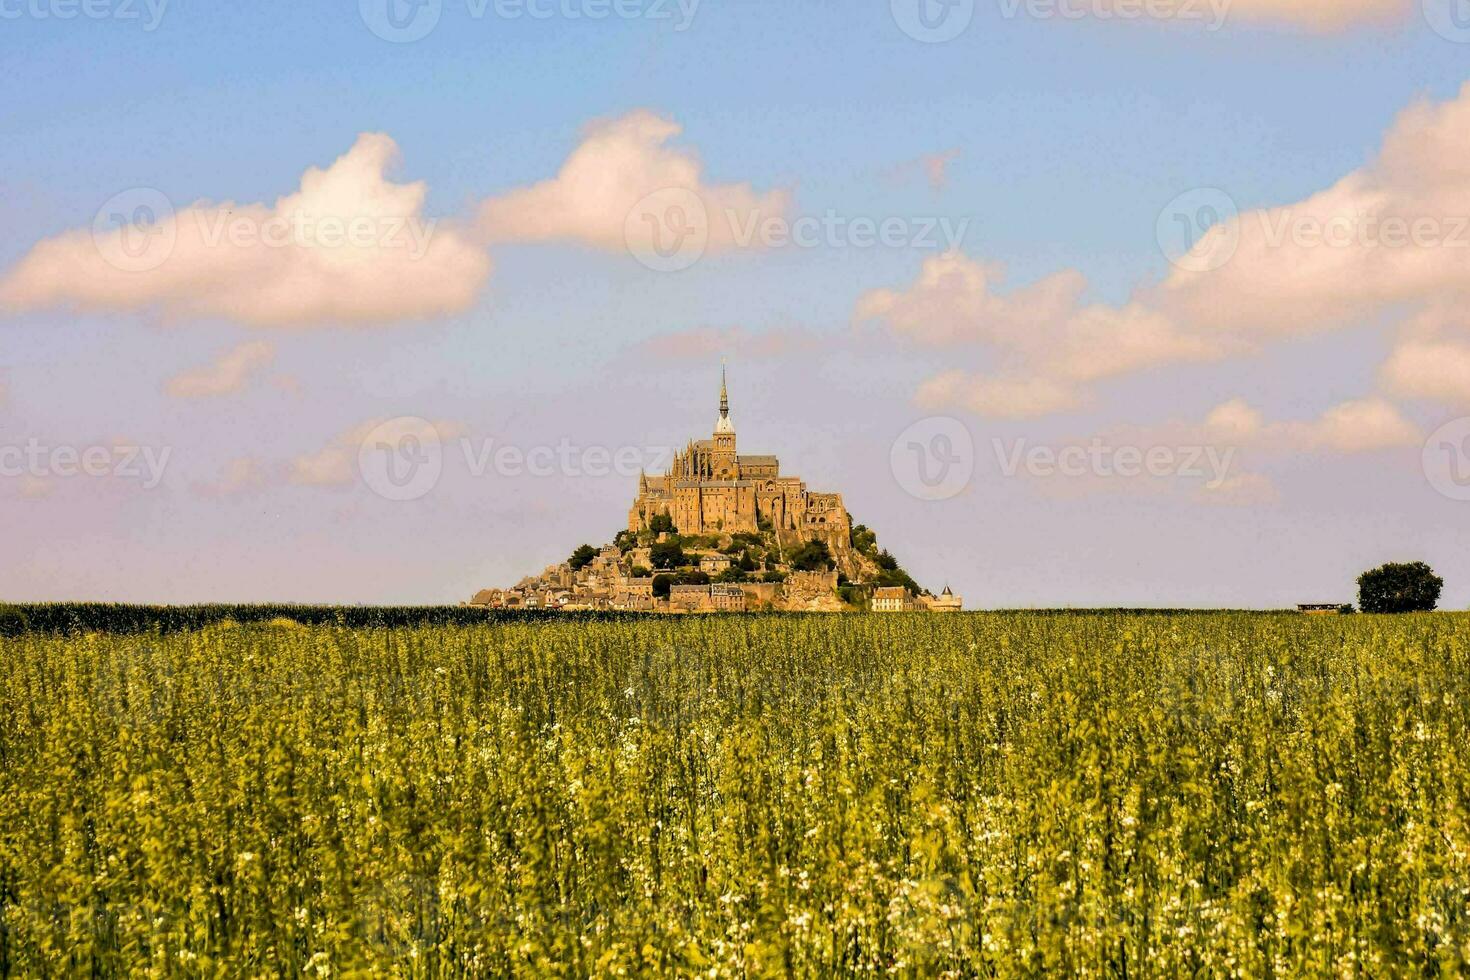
987, 794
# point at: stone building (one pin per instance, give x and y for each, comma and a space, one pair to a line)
727, 598
945, 601
714, 564
892, 599
712, 487
690, 598
635, 594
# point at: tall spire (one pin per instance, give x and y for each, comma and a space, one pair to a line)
724, 395
724, 425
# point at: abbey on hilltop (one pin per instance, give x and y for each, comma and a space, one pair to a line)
712, 488
725, 532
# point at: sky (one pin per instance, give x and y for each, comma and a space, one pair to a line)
1076, 302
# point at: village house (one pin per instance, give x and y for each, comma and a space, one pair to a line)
713, 564
635, 594
690, 598
892, 598
727, 598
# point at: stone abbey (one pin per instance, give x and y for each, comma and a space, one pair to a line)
711, 488
725, 532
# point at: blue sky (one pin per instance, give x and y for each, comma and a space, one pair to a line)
1066, 140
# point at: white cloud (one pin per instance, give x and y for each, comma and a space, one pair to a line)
618, 163
1435, 370
226, 376
1432, 358
348, 247
334, 465
1000, 398
1389, 237
1234, 422
1394, 232
1356, 426
1361, 426
1050, 344
1323, 15
1319, 16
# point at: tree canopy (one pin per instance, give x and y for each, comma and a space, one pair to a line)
582, 557
667, 554
1399, 588
813, 556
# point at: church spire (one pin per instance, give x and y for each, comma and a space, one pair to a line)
724, 425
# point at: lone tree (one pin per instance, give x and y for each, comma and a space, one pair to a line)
1399, 588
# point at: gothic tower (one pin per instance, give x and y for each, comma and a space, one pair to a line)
723, 456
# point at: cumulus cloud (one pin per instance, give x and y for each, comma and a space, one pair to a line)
999, 398
1356, 426
1437, 370
1049, 343
334, 465
1390, 237
606, 179
1361, 426
1394, 232
1431, 360
1201, 458
226, 376
350, 246
1314, 15
1322, 14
